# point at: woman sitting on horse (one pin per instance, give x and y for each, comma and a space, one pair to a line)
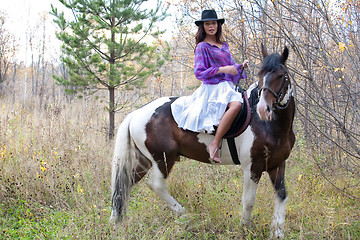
215, 102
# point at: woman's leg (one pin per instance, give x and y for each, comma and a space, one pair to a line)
224, 125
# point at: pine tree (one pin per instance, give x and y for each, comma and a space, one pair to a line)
104, 47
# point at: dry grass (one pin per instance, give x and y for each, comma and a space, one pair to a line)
55, 183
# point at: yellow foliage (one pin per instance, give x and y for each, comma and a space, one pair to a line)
3, 152
80, 189
341, 47
338, 69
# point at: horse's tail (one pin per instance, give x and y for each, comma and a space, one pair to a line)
122, 177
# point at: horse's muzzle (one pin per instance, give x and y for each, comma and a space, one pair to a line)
264, 110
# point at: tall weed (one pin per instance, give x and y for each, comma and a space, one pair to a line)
55, 184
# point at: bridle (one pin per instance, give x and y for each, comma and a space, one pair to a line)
281, 95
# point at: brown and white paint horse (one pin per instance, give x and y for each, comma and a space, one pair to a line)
149, 139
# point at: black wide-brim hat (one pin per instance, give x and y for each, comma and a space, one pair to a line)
209, 15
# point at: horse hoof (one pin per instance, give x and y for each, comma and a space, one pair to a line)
183, 220
245, 222
277, 233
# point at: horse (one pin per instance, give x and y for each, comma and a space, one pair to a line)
149, 140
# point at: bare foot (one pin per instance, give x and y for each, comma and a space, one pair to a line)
214, 152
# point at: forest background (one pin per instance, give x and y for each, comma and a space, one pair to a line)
55, 152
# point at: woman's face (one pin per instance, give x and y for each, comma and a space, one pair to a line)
210, 27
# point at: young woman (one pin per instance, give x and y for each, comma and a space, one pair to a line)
215, 102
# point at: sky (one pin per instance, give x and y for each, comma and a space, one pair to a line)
22, 15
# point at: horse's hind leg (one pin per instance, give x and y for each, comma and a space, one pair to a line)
157, 183
142, 167
277, 179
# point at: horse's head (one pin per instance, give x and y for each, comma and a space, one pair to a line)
274, 83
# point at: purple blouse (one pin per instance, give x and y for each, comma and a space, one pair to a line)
208, 59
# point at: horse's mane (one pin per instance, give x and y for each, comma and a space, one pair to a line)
270, 63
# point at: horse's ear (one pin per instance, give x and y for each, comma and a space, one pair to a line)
285, 54
263, 50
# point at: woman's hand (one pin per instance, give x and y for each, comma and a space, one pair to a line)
245, 63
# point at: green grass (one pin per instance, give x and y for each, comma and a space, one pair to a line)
55, 184
214, 212
23, 220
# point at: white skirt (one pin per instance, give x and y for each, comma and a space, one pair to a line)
204, 109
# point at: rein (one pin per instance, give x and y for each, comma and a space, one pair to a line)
279, 96
237, 85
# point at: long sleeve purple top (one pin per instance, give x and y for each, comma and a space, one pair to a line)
208, 59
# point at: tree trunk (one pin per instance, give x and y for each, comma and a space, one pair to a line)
111, 86
111, 112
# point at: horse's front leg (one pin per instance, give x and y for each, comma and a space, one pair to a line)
277, 178
249, 193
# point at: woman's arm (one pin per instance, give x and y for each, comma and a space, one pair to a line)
202, 68
232, 70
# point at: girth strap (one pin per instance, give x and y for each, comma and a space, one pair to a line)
233, 151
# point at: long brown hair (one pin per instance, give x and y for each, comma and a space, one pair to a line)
201, 34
